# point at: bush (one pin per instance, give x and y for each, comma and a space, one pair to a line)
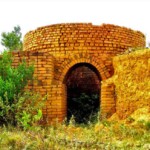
17, 107
23, 112
84, 108
13, 80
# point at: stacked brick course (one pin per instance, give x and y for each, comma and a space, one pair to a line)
55, 49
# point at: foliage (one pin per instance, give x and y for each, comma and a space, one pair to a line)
13, 80
27, 120
115, 136
84, 108
12, 40
23, 112
17, 107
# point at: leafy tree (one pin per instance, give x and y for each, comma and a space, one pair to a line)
12, 40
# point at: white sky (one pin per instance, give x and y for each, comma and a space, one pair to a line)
30, 14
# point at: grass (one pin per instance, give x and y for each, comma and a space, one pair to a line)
105, 135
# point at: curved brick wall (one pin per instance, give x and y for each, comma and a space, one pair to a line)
83, 37
56, 49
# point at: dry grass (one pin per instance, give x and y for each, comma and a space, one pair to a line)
124, 135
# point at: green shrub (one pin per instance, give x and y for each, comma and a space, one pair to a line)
147, 125
84, 108
13, 80
23, 112
17, 107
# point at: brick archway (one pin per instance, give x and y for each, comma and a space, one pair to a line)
83, 90
99, 65
106, 104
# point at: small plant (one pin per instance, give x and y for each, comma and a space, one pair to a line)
147, 125
27, 120
144, 124
130, 119
72, 121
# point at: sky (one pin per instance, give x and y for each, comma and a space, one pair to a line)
30, 14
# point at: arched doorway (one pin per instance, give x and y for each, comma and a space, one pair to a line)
83, 92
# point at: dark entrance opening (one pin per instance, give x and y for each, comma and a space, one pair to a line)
83, 93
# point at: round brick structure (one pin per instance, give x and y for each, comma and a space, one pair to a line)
82, 37
56, 49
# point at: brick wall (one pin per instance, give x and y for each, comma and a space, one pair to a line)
55, 49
